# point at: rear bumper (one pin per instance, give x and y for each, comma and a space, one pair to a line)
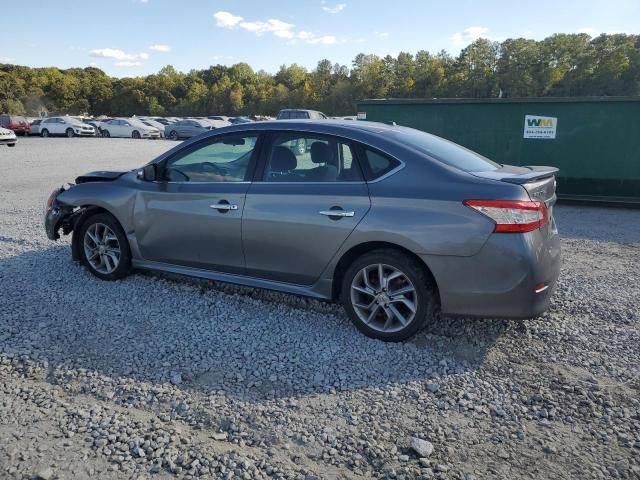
501, 279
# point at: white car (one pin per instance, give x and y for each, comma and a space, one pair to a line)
7, 137
155, 124
67, 126
128, 128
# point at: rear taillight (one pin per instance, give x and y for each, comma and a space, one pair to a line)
512, 216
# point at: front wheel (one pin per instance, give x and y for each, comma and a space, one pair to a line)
388, 295
69, 133
173, 135
44, 133
104, 249
105, 134
135, 134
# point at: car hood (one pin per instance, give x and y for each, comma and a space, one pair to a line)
5, 131
100, 176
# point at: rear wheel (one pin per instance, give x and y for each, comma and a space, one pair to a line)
106, 134
44, 133
104, 249
69, 133
388, 295
135, 134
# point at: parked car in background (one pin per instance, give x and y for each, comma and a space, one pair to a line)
237, 120
299, 114
34, 127
191, 127
395, 223
162, 120
95, 124
128, 128
17, 123
66, 126
155, 124
7, 137
224, 118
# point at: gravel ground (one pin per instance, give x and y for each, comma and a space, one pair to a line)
159, 376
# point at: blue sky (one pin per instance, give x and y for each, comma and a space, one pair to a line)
137, 37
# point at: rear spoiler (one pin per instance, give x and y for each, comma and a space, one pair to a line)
537, 173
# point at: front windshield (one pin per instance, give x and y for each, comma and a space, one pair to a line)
445, 151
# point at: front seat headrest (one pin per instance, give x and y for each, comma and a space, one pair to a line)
283, 160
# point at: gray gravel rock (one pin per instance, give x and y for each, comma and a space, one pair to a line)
422, 447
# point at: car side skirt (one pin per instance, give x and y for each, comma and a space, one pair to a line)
320, 290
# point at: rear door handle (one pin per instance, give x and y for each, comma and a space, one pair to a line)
337, 213
224, 206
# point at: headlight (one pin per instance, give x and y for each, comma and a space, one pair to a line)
51, 199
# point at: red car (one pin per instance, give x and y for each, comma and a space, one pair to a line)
18, 124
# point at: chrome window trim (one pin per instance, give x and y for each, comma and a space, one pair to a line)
390, 172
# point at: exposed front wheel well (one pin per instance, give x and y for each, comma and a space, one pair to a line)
87, 211
355, 252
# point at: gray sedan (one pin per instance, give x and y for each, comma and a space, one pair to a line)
191, 127
394, 223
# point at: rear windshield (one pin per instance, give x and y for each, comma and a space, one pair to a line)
445, 151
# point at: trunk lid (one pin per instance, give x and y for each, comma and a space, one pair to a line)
538, 181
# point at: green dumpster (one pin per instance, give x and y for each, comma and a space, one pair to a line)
595, 142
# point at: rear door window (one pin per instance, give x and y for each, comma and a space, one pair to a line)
310, 158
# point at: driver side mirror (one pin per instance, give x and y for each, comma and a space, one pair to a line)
148, 173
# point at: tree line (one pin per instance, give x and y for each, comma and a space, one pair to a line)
564, 65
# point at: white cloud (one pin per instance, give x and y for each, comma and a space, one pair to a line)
273, 26
128, 63
226, 19
279, 28
337, 9
160, 48
382, 34
323, 40
117, 54
6, 60
469, 35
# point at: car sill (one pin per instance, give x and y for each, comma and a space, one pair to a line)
307, 291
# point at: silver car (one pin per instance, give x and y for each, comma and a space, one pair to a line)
394, 223
187, 128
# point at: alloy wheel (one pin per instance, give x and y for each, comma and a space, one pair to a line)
384, 298
101, 248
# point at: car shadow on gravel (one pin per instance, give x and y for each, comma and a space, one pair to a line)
205, 336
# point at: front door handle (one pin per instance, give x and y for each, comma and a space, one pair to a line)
224, 206
337, 213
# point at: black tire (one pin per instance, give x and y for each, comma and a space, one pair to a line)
425, 296
105, 134
124, 266
173, 135
11, 144
135, 134
69, 132
44, 133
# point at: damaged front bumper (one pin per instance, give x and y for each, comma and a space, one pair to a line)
57, 215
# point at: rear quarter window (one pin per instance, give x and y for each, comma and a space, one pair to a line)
376, 164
